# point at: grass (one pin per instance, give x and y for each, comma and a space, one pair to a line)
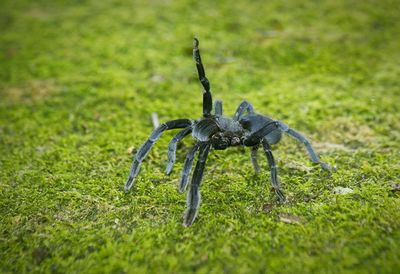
79, 81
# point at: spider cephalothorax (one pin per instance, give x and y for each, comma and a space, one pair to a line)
219, 132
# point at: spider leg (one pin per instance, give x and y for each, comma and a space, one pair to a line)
172, 147
187, 167
254, 159
255, 137
299, 137
193, 196
242, 108
218, 107
274, 177
145, 148
207, 98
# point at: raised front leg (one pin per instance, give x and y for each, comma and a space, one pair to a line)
193, 196
299, 137
274, 176
145, 148
207, 99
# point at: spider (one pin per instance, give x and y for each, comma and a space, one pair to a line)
216, 131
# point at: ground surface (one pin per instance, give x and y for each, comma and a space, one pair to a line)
80, 80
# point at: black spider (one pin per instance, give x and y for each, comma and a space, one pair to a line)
216, 131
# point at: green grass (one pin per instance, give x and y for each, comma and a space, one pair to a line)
79, 80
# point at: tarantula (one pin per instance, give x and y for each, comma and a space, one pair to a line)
245, 128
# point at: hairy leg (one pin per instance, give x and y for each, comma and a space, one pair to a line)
299, 137
254, 159
242, 108
145, 148
187, 167
274, 176
193, 196
207, 99
218, 107
172, 147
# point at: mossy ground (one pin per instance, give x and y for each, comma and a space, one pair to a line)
79, 80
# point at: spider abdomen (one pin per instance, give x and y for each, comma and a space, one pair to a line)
274, 136
254, 122
259, 127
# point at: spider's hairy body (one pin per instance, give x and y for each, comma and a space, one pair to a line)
218, 132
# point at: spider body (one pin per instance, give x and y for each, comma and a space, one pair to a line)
216, 131
220, 131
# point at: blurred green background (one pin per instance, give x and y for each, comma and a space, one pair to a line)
79, 80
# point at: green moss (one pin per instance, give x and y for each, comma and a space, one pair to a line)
78, 82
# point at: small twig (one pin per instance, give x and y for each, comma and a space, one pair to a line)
154, 119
